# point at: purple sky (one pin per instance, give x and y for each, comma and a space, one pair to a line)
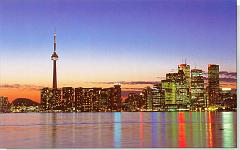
111, 40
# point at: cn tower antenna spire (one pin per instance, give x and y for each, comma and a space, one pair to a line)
55, 43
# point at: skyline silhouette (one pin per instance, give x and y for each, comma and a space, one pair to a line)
134, 43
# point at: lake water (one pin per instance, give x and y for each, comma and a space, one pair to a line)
118, 130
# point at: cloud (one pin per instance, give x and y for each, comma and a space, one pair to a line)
25, 86
228, 80
10, 86
141, 82
224, 79
227, 74
132, 89
224, 74
162, 78
130, 82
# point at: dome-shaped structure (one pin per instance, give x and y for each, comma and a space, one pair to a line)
24, 102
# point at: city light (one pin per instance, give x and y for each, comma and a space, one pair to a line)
180, 91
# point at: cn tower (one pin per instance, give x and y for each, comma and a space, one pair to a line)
54, 57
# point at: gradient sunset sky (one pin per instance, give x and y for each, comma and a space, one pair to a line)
104, 41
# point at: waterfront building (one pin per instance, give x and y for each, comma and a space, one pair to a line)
81, 99
197, 89
56, 99
177, 90
78, 99
133, 102
137, 101
213, 85
51, 100
170, 88
116, 101
87, 99
46, 99
225, 93
96, 99
206, 96
228, 98
158, 97
186, 70
142, 103
106, 95
84, 96
4, 104
68, 103
182, 90
147, 97
125, 106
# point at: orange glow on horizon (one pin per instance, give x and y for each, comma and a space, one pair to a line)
33, 93
13, 93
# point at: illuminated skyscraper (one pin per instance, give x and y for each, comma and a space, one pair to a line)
228, 98
68, 104
172, 76
183, 90
87, 99
147, 96
96, 99
46, 99
186, 69
197, 89
116, 102
54, 57
169, 87
213, 84
177, 93
56, 99
78, 99
133, 102
51, 100
225, 94
184, 87
158, 97
106, 95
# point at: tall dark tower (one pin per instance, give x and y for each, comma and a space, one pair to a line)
213, 84
54, 57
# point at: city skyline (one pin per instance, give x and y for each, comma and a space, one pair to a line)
98, 49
